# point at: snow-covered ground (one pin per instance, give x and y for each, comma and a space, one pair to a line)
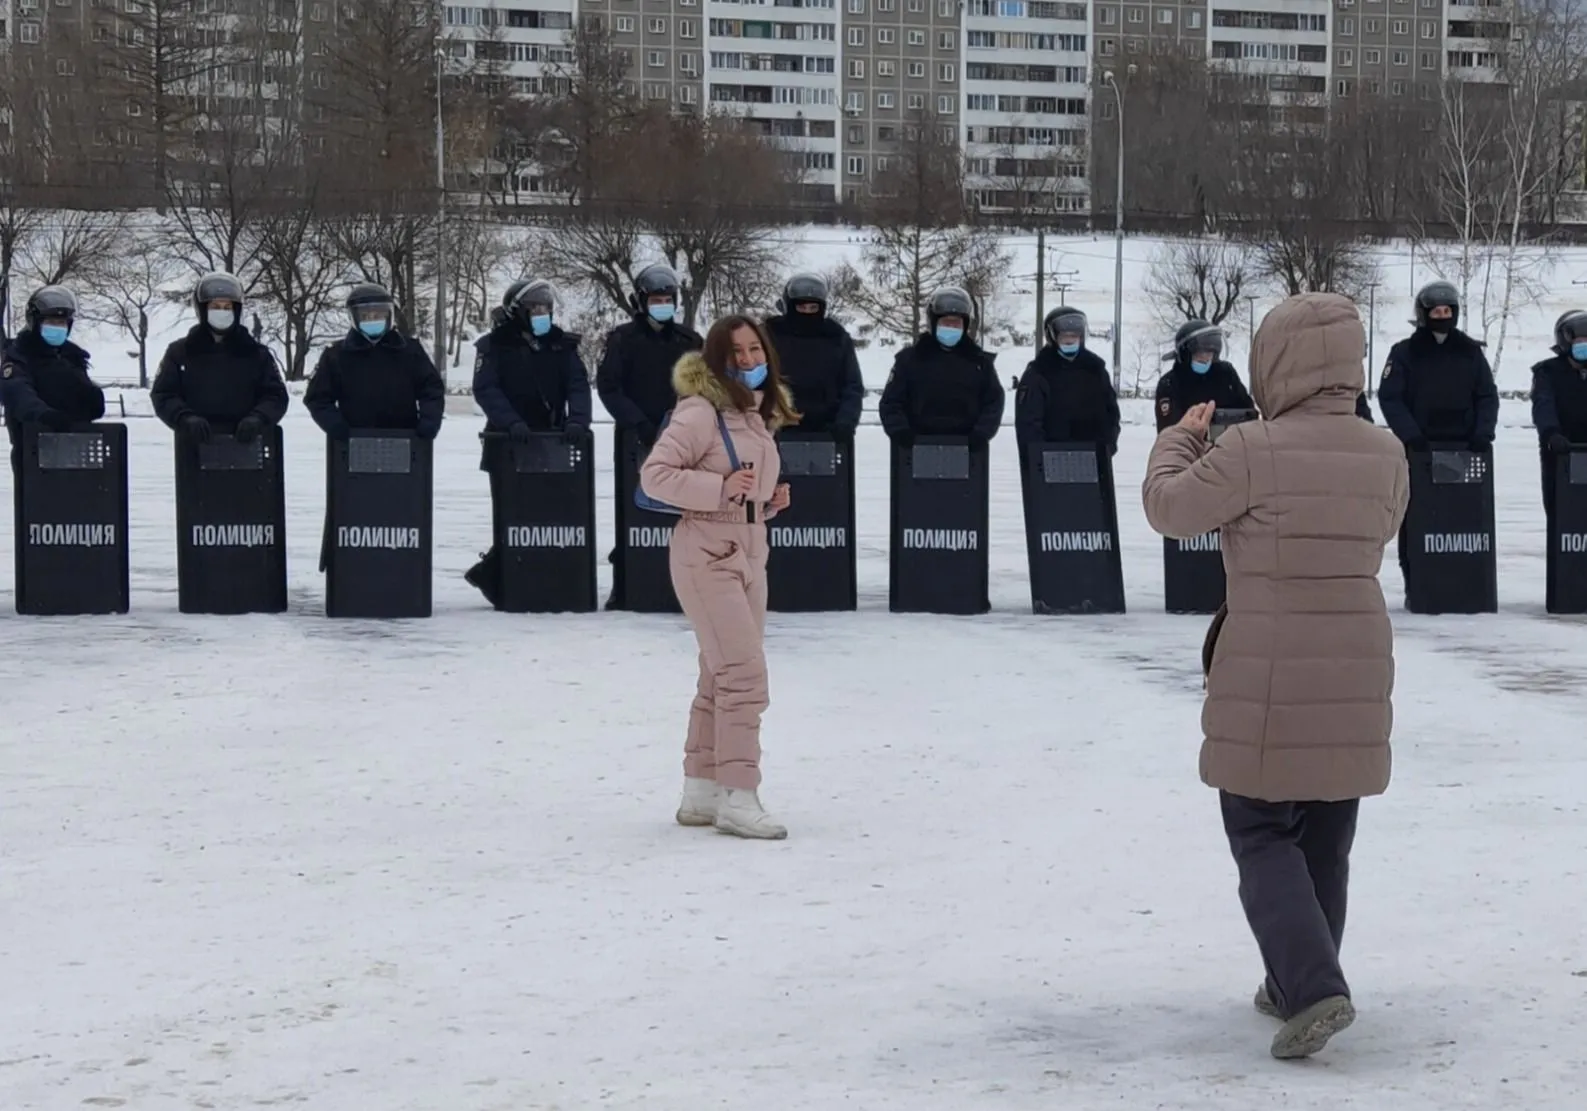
430, 866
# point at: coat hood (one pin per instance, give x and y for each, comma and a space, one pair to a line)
691, 377
1311, 346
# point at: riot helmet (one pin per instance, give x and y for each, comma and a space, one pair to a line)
218, 300
535, 305
655, 281
372, 309
1064, 321
54, 303
1197, 337
1569, 330
803, 289
1437, 295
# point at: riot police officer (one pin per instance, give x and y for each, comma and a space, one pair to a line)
943, 384
1198, 375
1066, 393
635, 378
44, 375
218, 377
528, 377
375, 378
818, 360
1559, 412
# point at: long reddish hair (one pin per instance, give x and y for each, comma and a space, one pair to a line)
775, 407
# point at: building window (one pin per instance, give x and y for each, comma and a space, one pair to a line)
917, 69
856, 7
29, 32
856, 134
857, 68
625, 24
658, 26
1342, 88
1347, 57
945, 39
855, 102
1372, 57
947, 9
655, 59
917, 6
1165, 16
1373, 26
1428, 28
1429, 60
945, 106
856, 166
886, 69
686, 28
886, 5
1193, 20
1397, 88
1107, 109
1400, 26
1137, 15
946, 71
1402, 57
1106, 47
917, 38
885, 100
884, 35
1107, 17
917, 101
1347, 26
856, 36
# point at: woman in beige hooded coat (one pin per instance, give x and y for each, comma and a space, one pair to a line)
1297, 713
733, 393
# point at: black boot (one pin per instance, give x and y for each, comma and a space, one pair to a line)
485, 577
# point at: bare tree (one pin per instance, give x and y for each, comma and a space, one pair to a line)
133, 283
578, 132
71, 246
1197, 279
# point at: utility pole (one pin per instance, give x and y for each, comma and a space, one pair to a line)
1041, 286
1372, 334
440, 218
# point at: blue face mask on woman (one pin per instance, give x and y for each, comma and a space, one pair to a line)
947, 336
1069, 350
754, 377
54, 334
1578, 351
1201, 366
540, 324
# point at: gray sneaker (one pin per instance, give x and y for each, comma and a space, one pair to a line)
1264, 1003
1309, 1031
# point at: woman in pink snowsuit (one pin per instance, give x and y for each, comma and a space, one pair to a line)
718, 560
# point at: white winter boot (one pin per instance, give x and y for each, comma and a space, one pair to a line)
742, 815
700, 800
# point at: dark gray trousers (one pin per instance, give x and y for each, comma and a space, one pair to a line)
1294, 864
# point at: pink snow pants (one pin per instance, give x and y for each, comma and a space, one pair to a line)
719, 574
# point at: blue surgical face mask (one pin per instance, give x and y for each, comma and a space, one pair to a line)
1069, 349
754, 377
1578, 351
54, 334
949, 336
373, 329
1201, 366
662, 313
540, 324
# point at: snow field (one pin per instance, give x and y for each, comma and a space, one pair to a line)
430, 865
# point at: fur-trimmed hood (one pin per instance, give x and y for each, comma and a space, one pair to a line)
691, 377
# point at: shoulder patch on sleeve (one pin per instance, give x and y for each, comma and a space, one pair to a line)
6, 371
1387, 366
1163, 406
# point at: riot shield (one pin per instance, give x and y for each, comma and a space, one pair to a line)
1567, 541
1451, 566
544, 521
811, 562
644, 539
938, 560
1072, 529
71, 522
231, 553
379, 503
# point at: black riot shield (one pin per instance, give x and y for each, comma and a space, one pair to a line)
378, 497
1072, 529
71, 522
1451, 566
1567, 541
940, 509
810, 564
644, 539
543, 513
231, 512
1193, 575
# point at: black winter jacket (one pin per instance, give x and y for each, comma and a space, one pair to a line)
1181, 389
1559, 399
819, 364
220, 378
36, 378
942, 391
635, 377
540, 381
1064, 400
389, 384
1439, 392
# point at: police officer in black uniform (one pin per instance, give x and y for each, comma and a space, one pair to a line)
1198, 375
818, 360
1559, 412
374, 379
44, 375
635, 378
1437, 386
943, 384
528, 377
218, 378
1066, 393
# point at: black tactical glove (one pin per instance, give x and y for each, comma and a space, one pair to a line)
904, 439
574, 432
55, 420
1416, 443
248, 429
340, 432
978, 440
1480, 443
1558, 443
646, 435
195, 428
427, 432
519, 432
843, 431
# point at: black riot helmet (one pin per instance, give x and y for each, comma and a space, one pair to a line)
1434, 295
1064, 319
372, 309
1571, 326
1197, 336
656, 280
513, 290
803, 289
218, 286
950, 300
52, 302
538, 293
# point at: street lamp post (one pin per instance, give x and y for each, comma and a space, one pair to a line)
440, 218
1118, 238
